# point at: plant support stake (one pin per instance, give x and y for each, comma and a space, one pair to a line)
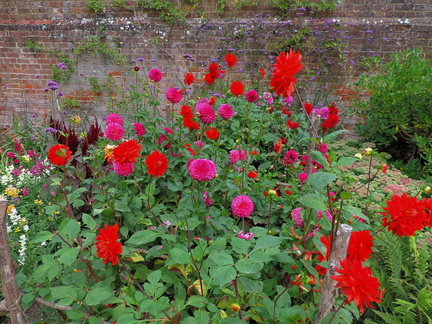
10, 289
338, 252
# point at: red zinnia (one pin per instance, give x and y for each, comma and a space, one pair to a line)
189, 78
107, 246
59, 154
360, 246
126, 152
212, 133
157, 163
237, 88
231, 60
287, 64
252, 174
407, 215
358, 284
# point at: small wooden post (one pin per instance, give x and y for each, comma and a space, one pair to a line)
329, 290
10, 289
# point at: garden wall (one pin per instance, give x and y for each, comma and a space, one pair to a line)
35, 35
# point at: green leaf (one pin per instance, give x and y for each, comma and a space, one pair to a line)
267, 242
175, 186
319, 158
264, 165
223, 275
62, 292
42, 236
89, 221
69, 256
313, 201
248, 266
197, 301
221, 258
143, 237
351, 210
344, 161
97, 295
251, 286
179, 256
76, 194
240, 245
71, 229
320, 180
121, 206
94, 320
332, 136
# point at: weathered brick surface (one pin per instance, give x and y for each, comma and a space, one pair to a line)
371, 27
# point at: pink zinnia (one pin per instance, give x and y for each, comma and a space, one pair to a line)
155, 75
114, 118
114, 132
205, 112
202, 169
251, 96
199, 144
124, 169
242, 206
323, 148
173, 95
296, 217
291, 157
225, 111
139, 129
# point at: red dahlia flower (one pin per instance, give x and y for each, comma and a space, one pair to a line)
59, 154
231, 60
157, 163
212, 133
360, 246
126, 152
189, 78
237, 88
287, 64
357, 283
107, 246
407, 215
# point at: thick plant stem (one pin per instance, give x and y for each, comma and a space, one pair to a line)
329, 290
10, 289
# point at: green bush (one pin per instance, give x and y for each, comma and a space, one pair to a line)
397, 116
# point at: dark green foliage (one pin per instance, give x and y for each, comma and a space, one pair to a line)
398, 113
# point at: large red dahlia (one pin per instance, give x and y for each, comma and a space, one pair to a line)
287, 64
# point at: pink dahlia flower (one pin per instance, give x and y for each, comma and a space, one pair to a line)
114, 118
242, 206
296, 217
155, 75
291, 157
114, 132
205, 112
236, 155
139, 129
124, 169
225, 111
202, 169
173, 95
251, 96
303, 177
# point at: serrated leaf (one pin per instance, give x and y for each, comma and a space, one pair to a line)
42, 237
89, 221
313, 201
69, 256
221, 258
223, 275
71, 229
344, 161
143, 237
319, 158
267, 241
197, 301
96, 295
319, 180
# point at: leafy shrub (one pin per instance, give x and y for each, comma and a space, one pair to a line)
398, 113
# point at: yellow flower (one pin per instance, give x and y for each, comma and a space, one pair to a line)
76, 119
17, 230
38, 202
12, 191
26, 158
358, 156
10, 209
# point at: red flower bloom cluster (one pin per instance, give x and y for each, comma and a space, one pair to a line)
292, 125
308, 107
189, 78
107, 246
360, 246
332, 119
279, 144
214, 73
405, 215
237, 88
126, 152
230, 59
252, 174
212, 133
59, 154
188, 116
157, 163
287, 64
358, 284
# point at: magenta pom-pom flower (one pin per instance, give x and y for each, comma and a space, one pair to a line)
114, 132
173, 95
225, 111
124, 169
155, 75
242, 206
114, 118
202, 169
205, 113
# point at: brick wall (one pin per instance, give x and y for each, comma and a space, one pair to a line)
365, 27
